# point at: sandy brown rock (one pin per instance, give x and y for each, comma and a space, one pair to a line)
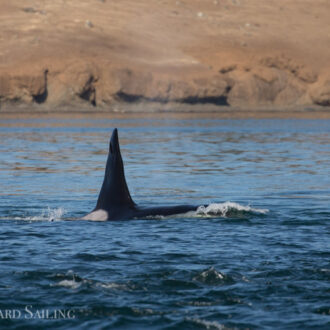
25, 86
320, 93
244, 53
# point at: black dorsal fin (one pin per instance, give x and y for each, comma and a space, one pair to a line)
114, 191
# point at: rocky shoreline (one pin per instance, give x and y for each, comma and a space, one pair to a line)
52, 61
260, 86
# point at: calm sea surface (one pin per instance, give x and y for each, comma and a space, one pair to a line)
257, 257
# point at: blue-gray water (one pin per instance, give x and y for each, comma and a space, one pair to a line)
258, 258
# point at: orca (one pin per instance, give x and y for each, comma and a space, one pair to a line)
115, 201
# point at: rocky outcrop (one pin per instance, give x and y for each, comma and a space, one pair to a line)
86, 84
74, 84
140, 86
26, 87
320, 92
264, 85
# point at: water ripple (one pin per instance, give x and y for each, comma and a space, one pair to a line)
254, 255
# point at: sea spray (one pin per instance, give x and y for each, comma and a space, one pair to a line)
227, 209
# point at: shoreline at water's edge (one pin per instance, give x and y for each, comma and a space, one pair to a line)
157, 110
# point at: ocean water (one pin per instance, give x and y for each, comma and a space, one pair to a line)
256, 257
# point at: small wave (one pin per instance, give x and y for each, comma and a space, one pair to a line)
96, 257
206, 324
227, 209
322, 310
72, 284
113, 285
211, 276
71, 280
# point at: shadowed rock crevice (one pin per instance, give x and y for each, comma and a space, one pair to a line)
30, 87
131, 98
88, 92
216, 100
42, 96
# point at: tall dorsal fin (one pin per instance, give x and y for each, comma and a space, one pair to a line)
114, 189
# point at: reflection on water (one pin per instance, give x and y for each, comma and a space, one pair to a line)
256, 257
191, 161
196, 161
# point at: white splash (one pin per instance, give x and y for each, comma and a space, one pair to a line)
113, 285
46, 215
225, 210
55, 214
211, 272
72, 284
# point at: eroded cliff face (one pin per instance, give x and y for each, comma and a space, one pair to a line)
104, 53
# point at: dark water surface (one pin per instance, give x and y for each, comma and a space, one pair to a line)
257, 257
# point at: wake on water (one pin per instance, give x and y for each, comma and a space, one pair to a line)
47, 214
227, 209
213, 210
